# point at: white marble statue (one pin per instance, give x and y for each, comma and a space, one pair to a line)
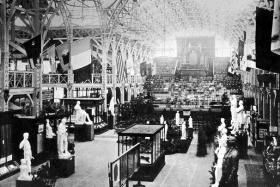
161, 119
222, 125
190, 122
233, 106
165, 130
220, 152
24, 171
82, 116
62, 141
240, 114
27, 152
184, 131
177, 118
49, 131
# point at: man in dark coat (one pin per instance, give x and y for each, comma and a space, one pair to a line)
230, 165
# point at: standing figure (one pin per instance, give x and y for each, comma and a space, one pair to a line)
184, 131
62, 141
177, 118
49, 137
233, 106
27, 153
201, 143
240, 114
161, 119
190, 129
165, 130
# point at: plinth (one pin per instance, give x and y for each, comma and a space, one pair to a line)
63, 167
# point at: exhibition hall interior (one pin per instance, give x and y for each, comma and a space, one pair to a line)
140, 93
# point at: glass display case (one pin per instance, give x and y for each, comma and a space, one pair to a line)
151, 139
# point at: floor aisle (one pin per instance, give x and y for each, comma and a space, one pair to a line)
180, 170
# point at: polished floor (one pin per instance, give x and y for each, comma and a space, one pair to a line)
180, 170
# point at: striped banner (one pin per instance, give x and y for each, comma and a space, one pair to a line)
121, 68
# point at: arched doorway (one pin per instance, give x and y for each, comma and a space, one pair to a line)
126, 94
109, 95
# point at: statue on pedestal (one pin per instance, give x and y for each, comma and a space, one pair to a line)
184, 131
27, 153
82, 116
50, 142
161, 119
177, 118
24, 171
62, 141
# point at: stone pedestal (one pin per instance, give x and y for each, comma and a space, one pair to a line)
63, 167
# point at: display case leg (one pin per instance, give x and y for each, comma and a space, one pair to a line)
138, 184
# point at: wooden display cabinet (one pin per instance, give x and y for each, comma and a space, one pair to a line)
152, 156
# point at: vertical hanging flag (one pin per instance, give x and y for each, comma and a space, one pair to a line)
275, 35
121, 68
33, 50
63, 55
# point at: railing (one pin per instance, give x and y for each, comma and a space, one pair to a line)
55, 79
109, 78
96, 78
20, 79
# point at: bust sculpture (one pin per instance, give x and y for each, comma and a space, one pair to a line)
27, 153
222, 125
82, 116
62, 142
24, 171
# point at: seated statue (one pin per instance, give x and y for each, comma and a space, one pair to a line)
24, 171
82, 116
62, 141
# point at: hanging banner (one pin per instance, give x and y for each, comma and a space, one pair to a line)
275, 39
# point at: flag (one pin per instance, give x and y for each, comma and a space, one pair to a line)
121, 68
63, 55
275, 35
33, 50
80, 53
112, 106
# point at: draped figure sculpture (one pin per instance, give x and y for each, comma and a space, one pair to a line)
240, 114
62, 141
27, 156
184, 131
82, 116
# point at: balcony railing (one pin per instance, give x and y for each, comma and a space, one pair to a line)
55, 79
96, 79
20, 79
